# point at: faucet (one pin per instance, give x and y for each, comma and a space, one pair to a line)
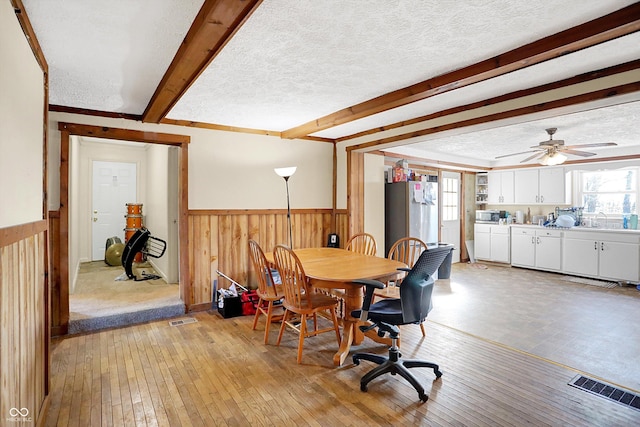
606, 220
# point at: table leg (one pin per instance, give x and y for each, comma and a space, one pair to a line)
347, 337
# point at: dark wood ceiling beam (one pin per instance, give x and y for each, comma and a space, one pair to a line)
581, 78
517, 112
213, 27
123, 134
622, 22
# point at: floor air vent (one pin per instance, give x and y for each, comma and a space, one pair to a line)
610, 392
184, 321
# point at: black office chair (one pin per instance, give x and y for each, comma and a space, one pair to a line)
142, 241
412, 307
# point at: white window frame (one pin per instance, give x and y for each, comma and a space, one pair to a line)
578, 189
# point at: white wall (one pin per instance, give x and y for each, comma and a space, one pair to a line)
21, 135
228, 170
374, 199
373, 192
160, 208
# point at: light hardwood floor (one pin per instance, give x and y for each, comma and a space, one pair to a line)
495, 342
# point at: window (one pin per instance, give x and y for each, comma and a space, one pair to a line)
450, 199
613, 192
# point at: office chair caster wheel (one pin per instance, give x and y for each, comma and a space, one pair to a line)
438, 374
424, 397
363, 387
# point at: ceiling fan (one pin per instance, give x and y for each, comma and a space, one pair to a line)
550, 152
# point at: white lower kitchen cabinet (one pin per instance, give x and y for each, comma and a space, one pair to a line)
491, 243
482, 241
536, 248
612, 256
500, 239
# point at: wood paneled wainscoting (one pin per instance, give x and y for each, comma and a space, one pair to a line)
24, 324
219, 240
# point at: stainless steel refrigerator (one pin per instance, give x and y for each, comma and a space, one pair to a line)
411, 210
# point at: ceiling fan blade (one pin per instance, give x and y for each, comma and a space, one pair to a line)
516, 154
578, 153
598, 144
538, 154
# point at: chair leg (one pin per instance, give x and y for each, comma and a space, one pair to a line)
424, 334
413, 363
303, 334
375, 358
334, 318
395, 365
268, 325
285, 317
257, 315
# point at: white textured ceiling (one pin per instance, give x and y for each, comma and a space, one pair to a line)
109, 55
294, 61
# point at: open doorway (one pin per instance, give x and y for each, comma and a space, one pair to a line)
451, 223
113, 177
161, 176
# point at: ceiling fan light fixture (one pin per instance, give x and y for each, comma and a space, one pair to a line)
553, 159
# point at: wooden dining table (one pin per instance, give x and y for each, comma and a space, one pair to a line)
336, 269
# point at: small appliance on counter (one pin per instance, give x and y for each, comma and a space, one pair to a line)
519, 217
488, 216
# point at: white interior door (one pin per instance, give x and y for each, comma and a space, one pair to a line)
114, 185
451, 211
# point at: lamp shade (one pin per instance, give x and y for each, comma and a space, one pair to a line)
553, 159
286, 172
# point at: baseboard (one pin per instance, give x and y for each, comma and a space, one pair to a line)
199, 307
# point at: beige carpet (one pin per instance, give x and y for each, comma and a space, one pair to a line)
98, 293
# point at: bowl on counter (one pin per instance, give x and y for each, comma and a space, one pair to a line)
565, 221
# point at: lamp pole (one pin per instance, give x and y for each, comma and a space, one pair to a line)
286, 182
286, 173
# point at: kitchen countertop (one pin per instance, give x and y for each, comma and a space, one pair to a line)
580, 228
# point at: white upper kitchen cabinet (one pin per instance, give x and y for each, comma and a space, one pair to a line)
540, 186
501, 187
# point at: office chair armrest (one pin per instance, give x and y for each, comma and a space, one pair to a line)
374, 284
370, 286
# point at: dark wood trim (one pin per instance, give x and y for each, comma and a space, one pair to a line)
30, 34
124, 134
334, 201
16, 233
183, 226
622, 22
216, 23
581, 78
517, 112
355, 192
195, 212
94, 113
212, 126
436, 163
60, 290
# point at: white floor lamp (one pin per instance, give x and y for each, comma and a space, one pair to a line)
287, 173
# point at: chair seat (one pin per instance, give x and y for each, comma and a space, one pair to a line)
386, 310
269, 296
318, 302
